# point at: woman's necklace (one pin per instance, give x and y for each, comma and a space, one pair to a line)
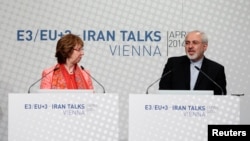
70, 70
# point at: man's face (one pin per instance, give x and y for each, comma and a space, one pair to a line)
194, 47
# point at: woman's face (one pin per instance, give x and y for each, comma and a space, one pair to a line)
77, 54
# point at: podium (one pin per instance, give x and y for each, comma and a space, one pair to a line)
162, 117
63, 117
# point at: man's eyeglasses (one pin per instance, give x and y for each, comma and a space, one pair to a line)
187, 43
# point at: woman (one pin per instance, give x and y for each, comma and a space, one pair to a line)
66, 74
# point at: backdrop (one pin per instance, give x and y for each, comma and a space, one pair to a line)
127, 43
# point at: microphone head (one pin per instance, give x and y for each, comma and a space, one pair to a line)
56, 68
82, 67
197, 67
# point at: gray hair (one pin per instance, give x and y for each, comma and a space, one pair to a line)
204, 37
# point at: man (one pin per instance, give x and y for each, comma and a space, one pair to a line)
182, 71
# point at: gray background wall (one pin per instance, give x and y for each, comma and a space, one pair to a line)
23, 57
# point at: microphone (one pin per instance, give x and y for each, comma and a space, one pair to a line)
158, 80
94, 79
210, 79
42, 78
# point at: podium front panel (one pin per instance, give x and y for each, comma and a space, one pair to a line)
159, 117
63, 117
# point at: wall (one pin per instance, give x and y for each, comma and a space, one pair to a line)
31, 28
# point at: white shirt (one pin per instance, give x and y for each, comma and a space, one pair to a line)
194, 72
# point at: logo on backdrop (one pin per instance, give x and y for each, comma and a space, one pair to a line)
118, 42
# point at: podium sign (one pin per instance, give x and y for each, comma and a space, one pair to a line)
159, 117
63, 117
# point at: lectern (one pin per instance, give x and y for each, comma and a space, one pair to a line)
63, 117
161, 117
